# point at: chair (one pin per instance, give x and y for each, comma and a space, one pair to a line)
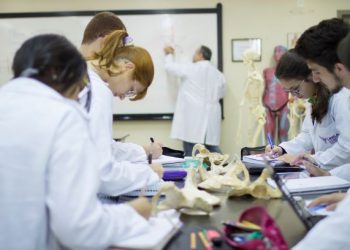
252, 150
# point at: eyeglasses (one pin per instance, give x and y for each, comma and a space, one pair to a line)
130, 94
295, 90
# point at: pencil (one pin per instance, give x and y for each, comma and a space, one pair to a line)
205, 242
193, 240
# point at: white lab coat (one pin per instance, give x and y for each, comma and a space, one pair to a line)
331, 138
119, 173
197, 116
330, 233
48, 176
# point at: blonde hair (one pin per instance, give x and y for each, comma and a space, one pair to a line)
113, 49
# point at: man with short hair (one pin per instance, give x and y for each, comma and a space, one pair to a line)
332, 232
197, 116
318, 46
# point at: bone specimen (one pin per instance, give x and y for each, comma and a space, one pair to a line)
189, 197
259, 188
232, 179
236, 182
216, 160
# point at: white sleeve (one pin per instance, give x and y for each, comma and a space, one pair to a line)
122, 177
303, 141
330, 233
341, 172
131, 152
339, 153
173, 68
77, 218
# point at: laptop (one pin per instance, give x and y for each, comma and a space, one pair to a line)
303, 214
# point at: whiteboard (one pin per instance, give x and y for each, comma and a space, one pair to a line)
183, 29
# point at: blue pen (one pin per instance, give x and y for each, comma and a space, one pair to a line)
270, 140
316, 208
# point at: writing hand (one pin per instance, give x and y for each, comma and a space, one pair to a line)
274, 152
142, 206
158, 169
330, 200
154, 148
314, 170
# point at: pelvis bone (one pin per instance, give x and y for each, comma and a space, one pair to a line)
236, 182
215, 160
236, 177
197, 201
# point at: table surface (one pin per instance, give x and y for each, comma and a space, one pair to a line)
288, 222
230, 208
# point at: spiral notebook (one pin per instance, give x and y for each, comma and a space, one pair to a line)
150, 190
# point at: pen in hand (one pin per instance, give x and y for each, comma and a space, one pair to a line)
269, 138
150, 154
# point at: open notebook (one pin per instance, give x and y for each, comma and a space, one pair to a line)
259, 160
159, 231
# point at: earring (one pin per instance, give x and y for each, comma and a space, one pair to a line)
54, 77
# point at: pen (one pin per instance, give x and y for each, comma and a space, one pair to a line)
193, 240
316, 208
150, 154
205, 242
269, 138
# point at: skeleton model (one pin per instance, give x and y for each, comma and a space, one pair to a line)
253, 100
297, 111
189, 199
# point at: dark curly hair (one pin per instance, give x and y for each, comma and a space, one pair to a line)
319, 43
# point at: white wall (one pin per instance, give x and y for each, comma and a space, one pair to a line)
269, 20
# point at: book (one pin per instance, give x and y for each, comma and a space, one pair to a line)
150, 190
159, 231
259, 160
316, 184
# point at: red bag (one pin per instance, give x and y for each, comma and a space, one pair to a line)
272, 236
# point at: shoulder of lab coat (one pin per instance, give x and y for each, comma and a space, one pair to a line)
330, 233
339, 153
74, 218
117, 176
124, 151
303, 141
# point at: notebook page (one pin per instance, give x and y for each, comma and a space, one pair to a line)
160, 230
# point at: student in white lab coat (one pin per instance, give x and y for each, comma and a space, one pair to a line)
113, 73
319, 131
48, 164
323, 39
197, 116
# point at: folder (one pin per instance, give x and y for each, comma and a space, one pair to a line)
317, 184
